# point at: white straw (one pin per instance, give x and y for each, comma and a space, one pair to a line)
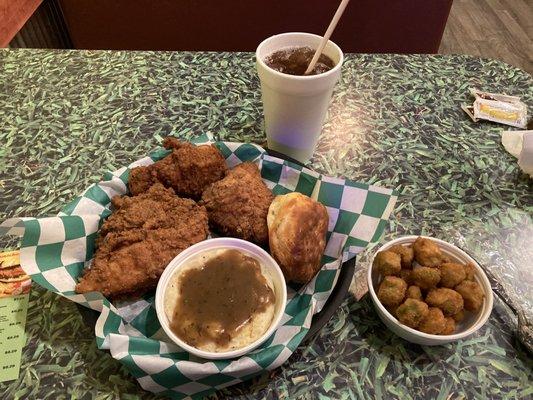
327, 35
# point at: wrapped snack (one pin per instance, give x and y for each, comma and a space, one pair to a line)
508, 110
494, 96
504, 113
469, 110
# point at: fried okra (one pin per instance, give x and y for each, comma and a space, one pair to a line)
387, 263
414, 292
472, 294
448, 300
433, 322
425, 277
449, 328
451, 275
392, 291
406, 274
470, 272
392, 309
411, 312
406, 253
427, 252
432, 295
459, 316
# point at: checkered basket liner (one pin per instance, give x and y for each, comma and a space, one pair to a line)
55, 250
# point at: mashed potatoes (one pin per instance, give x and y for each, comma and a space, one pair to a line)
221, 300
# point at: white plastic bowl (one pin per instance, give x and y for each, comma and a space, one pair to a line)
469, 325
271, 267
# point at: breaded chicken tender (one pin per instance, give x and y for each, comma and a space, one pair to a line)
189, 169
411, 312
238, 204
406, 253
427, 252
387, 263
139, 239
392, 291
448, 300
472, 294
425, 277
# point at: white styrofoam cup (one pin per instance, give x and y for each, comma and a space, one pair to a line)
295, 106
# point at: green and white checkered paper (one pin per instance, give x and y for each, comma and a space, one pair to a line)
55, 250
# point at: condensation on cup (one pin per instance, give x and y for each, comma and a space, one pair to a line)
295, 106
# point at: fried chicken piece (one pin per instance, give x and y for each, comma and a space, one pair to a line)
238, 204
139, 239
189, 169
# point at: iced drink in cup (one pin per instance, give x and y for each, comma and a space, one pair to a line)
295, 106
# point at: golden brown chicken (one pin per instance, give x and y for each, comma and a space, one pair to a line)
238, 204
189, 169
139, 239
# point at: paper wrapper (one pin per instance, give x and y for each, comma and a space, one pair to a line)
55, 251
508, 110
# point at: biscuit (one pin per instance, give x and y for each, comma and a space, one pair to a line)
297, 227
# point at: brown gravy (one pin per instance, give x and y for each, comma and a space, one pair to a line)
219, 298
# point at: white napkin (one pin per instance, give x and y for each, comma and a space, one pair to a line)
520, 145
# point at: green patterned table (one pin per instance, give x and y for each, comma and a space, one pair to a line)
68, 116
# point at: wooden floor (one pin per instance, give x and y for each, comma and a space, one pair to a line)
501, 29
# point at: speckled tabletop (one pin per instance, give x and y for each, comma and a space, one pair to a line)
68, 116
